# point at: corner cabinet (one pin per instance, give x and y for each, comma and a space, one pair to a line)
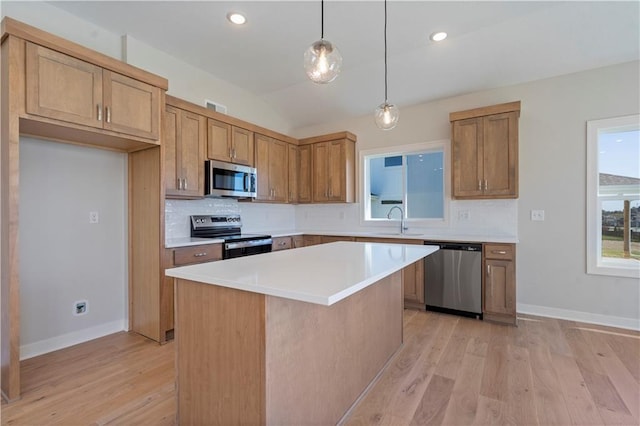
332, 168
499, 283
64, 88
484, 155
184, 141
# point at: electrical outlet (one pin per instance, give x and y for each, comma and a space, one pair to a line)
81, 307
93, 217
464, 215
537, 215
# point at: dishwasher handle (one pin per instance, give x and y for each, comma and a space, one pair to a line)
461, 247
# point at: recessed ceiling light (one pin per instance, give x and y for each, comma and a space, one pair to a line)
438, 36
236, 18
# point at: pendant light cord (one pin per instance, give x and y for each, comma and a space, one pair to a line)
322, 20
385, 52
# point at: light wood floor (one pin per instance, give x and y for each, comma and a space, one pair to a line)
451, 370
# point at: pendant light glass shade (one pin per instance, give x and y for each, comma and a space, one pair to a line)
387, 116
322, 62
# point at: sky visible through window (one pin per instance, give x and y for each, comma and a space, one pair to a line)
619, 154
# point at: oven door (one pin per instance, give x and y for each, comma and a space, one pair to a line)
246, 248
229, 180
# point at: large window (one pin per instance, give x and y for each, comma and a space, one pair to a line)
613, 196
411, 178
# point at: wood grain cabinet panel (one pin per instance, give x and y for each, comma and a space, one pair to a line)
499, 283
413, 284
229, 143
281, 243
333, 178
272, 168
293, 161
197, 254
485, 152
63, 88
184, 144
304, 174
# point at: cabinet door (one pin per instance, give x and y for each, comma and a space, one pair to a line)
281, 243
170, 121
192, 136
218, 140
413, 283
320, 159
499, 290
262, 167
500, 154
336, 171
304, 176
278, 171
242, 146
63, 88
130, 106
293, 161
467, 157
297, 241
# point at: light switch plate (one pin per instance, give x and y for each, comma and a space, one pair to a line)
537, 215
93, 217
464, 215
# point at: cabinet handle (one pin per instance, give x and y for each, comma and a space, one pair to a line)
99, 112
486, 185
488, 269
108, 111
230, 152
498, 251
479, 185
282, 243
234, 153
200, 254
179, 184
184, 185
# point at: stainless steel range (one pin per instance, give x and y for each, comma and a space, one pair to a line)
228, 228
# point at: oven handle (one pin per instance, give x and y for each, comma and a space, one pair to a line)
250, 243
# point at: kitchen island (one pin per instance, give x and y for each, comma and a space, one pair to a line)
289, 337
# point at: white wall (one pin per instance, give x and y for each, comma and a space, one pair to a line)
551, 262
64, 258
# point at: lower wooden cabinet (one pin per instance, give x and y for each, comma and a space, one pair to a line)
499, 283
180, 256
413, 284
334, 238
281, 243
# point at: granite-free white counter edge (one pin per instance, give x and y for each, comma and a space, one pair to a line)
182, 242
322, 274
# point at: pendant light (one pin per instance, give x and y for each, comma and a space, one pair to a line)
386, 114
322, 60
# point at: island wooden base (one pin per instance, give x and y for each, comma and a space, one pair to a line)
253, 359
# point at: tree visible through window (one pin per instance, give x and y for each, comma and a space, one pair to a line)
614, 196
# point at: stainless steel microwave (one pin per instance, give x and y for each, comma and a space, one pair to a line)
229, 180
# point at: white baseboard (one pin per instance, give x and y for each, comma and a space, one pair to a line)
59, 342
608, 320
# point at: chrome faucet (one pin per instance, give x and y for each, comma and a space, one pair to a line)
402, 227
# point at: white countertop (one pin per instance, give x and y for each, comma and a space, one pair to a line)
186, 241
322, 274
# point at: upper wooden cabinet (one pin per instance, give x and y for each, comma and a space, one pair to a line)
229, 143
293, 160
272, 169
485, 152
64, 88
184, 142
304, 174
332, 168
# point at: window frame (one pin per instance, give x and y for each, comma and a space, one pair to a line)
596, 265
389, 151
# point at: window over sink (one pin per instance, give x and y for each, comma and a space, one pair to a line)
411, 178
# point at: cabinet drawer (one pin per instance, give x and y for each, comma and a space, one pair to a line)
281, 243
197, 254
499, 251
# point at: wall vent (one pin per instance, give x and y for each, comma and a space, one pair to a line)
215, 106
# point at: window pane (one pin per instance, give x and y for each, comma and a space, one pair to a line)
385, 180
619, 192
425, 185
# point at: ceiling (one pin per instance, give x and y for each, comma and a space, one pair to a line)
490, 44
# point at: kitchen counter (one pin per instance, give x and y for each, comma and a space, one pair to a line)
180, 242
288, 337
322, 274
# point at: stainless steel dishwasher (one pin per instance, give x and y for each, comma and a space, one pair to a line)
453, 279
